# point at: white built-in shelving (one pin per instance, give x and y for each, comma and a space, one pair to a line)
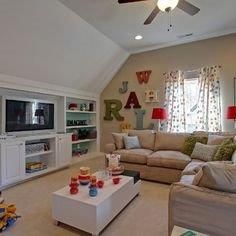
80, 126
89, 116
40, 172
13, 156
56, 156
81, 112
38, 154
84, 141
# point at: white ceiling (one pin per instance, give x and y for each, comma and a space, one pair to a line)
122, 22
44, 41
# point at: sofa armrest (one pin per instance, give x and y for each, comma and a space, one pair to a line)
204, 210
110, 148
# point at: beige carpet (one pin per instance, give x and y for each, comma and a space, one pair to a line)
146, 215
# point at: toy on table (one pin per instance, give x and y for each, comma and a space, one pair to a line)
84, 175
74, 186
93, 186
116, 180
7, 216
114, 166
100, 183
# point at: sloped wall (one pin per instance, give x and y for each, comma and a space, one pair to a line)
217, 51
47, 42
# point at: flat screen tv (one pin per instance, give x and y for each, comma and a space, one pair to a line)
28, 115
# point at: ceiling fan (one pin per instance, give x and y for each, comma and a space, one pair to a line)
167, 6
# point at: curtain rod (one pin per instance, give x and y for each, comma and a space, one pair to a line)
195, 70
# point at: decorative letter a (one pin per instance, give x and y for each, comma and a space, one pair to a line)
132, 100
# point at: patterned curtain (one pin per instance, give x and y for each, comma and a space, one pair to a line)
174, 102
209, 101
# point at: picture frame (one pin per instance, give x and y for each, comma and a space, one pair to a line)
151, 96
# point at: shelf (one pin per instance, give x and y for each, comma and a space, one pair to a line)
38, 153
83, 141
40, 172
80, 126
83, 112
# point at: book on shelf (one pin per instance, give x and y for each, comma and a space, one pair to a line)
35, 166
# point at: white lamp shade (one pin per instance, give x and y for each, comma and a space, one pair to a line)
164, 4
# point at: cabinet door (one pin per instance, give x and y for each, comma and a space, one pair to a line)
64, 150
13, 162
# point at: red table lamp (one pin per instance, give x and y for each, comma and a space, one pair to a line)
159, 114
231, 114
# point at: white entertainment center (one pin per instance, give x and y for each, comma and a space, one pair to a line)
51, 148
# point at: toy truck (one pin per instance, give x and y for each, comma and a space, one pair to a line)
7, 216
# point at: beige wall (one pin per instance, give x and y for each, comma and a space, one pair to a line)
217, 51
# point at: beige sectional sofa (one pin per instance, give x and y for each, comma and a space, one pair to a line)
207, 205
204, 210
160, 157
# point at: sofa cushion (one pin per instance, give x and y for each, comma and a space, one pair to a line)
168, 159
190, 142
225, 151
131, 142
169, 141
146, 138
234, 157
204, 152
219, 176
193, 167
119, 140
187, 179
217, 139
138, 156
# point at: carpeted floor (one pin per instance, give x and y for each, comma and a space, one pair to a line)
146, 215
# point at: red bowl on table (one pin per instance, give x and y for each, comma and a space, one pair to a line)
100, 183
84, 179
116, 180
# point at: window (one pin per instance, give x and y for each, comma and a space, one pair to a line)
191, 93
193, 100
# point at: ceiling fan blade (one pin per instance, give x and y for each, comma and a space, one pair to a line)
129, 1
188, 7
152, 16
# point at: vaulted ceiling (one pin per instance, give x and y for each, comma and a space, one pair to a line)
121, 22
43, 40
81, 44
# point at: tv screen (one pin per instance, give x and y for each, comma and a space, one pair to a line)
28, 115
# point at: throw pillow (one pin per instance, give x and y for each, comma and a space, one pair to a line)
204, 152
146, 138
131, 142
225, 151
217, 139
119, 140
234, 157
190, 142
219, 176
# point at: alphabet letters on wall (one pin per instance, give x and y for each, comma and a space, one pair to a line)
143, 76
112, 109
133, 99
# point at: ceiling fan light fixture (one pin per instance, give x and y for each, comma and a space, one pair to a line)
167, 5
138, 37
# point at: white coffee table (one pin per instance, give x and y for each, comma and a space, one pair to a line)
92, 214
